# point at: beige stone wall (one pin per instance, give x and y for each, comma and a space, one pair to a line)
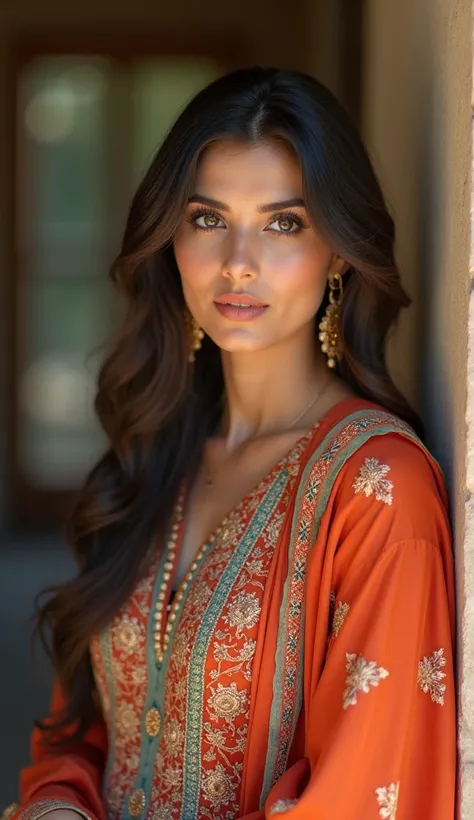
417, 122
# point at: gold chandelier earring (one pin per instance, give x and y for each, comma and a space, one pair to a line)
195, 334
329, 327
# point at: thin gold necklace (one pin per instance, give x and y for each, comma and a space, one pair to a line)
209, 480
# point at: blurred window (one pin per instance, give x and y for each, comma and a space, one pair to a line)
87, 129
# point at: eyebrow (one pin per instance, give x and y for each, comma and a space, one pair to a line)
295, 202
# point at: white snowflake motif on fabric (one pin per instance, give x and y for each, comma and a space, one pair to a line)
371, 480
361, 675
430, 676
282, 805
387, 798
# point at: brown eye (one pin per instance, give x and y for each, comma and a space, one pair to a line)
285, 224
206, 221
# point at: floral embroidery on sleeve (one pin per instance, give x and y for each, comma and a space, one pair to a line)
371, 479
361, 675
430, 676
387, 798
339, 617
282, 805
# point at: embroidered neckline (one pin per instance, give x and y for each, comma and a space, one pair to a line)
165, 609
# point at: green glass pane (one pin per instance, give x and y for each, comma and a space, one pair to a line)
63, 118
161, 88
67, 320
66, 303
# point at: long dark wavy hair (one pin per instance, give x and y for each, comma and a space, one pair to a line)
156, 409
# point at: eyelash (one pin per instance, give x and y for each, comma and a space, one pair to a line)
291, 215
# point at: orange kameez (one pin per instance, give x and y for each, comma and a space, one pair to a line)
310, 666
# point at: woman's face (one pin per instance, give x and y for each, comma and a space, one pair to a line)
253, 268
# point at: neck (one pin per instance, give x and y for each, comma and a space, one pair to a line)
267, 389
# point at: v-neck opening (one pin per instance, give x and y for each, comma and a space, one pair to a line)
267, 478
176, 594
277, 466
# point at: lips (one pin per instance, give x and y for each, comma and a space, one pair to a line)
240, 307
243, 300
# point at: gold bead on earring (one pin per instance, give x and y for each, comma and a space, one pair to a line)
329, 335
195, 334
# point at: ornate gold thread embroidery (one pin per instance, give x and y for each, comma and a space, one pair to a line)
125, 639
340, 615
172, 737
371, 480
139, 675
282, 805
216, 739
127, 719
172, 777
227, 702
229, 651
387, 798
218, 786
243, 611
273, 530
218, 697
361, 675
129, 634
430, 676
163, 812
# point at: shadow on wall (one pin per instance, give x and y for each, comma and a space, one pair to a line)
25, 567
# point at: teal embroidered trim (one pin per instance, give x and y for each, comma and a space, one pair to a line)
37, 810
154, 699
192, 755
314, 489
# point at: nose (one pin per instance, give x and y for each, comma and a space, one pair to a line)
240, 264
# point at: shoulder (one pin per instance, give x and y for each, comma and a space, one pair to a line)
382, 479
391, 483
390, 469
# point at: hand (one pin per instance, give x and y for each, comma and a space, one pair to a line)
63, 814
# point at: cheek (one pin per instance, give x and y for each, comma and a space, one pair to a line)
195, 260
300, 270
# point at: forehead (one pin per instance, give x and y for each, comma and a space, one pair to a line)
268, 171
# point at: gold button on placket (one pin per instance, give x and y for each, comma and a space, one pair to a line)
137, 803
153, 722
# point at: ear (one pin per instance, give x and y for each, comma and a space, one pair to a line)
339, 265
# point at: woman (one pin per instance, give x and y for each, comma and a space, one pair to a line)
262, 623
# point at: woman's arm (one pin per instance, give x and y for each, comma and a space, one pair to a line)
381, 729
380, 718
63, 782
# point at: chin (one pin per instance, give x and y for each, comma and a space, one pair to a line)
240, 342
